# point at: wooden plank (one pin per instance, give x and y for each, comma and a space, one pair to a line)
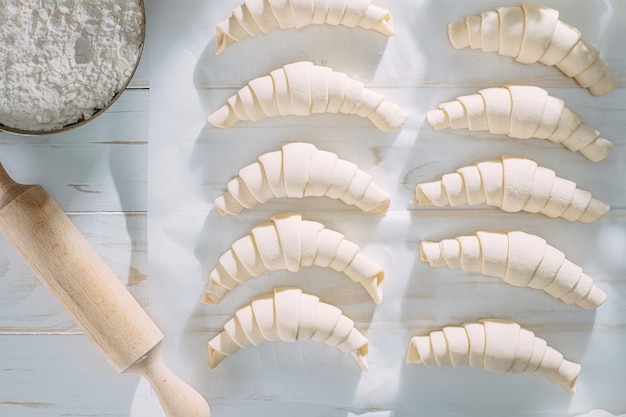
125, 121
47, 375
97, 167
28, 307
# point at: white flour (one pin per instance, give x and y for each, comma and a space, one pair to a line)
62, 60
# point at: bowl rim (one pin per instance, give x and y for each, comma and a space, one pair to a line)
98, 112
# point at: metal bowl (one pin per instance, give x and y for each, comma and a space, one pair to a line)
97, 112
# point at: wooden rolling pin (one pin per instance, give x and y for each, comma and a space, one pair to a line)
95, 298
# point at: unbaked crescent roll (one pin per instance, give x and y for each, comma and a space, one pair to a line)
301, 170
513, 184
522, 112
302, 89
288, 315
262, 16
498, 346
519, 259
289, 242
533, 33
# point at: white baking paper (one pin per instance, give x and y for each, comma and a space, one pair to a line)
191, 162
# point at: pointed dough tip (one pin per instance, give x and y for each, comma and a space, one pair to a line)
457, 32
221, 41
215, 357
430, 252
220, 205
413, 354
594, 299
385, 26
210, 298
595, 210
359, 357
383, 207
388, 116
227, 205
604, 86
374, 287
420, 197
569, 372
431, 193
224, 117
597, 150
438, 119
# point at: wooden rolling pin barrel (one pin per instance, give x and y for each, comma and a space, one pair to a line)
95, 298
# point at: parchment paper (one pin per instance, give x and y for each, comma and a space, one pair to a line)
191, 162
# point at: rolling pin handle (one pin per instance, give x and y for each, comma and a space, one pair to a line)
176, 397
9, 189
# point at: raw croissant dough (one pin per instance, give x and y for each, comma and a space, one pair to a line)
520, 259
301, 170
522, 112
263, 16
303, 89
497, 346
513, 184
288, 315
533, 33
288, 242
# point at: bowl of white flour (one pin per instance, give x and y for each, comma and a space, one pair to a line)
64, 62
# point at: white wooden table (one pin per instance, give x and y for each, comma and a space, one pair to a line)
99, 175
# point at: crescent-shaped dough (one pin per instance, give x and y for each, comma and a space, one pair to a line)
496, 346
519, 259
301, 89
533, 33
289, 242
301, 170
288, 315
263, 16
522, 112
514, 184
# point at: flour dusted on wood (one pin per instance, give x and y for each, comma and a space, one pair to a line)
63, 60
